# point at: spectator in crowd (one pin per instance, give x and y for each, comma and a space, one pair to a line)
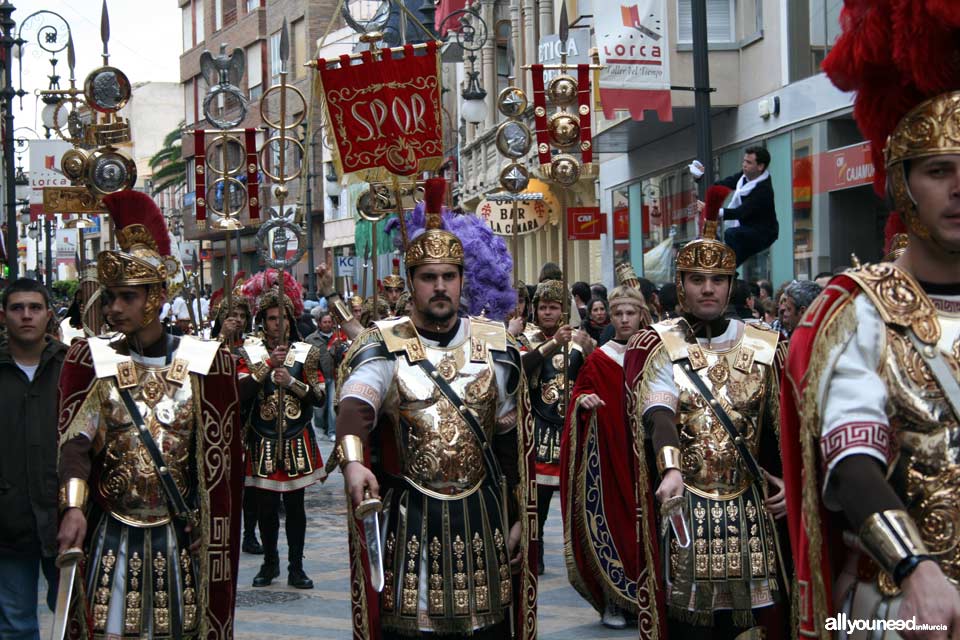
769, 310
751, 206
823, 278
597, 290
739, 306
597, 318
796, 298
581, 295
305, 325
652, 298
765, 290
549, 271
30, 362
669, 304
326, 343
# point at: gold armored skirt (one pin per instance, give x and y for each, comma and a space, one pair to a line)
731, 562
446, 563
141, 582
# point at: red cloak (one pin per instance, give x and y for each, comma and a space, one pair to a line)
218, 458
815, 534
596, 464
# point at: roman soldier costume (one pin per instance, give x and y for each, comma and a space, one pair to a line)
154, 443
394, 284
282, 453
221, 308
872, 378
707, 394
597, 466
441, 420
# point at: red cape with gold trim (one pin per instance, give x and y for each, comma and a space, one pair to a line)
650, 592
815, 534
596, 466
364, 599
218, 455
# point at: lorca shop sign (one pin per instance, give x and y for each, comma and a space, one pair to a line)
532, 215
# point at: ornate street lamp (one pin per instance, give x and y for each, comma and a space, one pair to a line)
470, 32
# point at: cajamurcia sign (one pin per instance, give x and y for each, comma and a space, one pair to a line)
385, 112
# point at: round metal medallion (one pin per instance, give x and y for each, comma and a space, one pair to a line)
562, 90
107, 89
565, 170
512, 102
74, 163
273, 243
564, 129
109, 171
514, 139
514, 177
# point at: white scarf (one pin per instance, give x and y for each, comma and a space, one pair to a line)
744, 188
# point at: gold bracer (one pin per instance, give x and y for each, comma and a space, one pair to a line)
668, 458
74, 494
548, 348
891, 537
300, 388
351, 450
340, 310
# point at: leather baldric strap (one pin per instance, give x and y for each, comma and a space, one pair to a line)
176, 503
493, 465
940, 370
748, 460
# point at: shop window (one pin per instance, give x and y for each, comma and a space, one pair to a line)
721, 22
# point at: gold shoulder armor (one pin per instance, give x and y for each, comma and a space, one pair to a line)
493, 333
898, 298
673, 334
400, 335
762, 341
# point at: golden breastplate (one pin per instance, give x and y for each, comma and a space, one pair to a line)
438, 451
926, 470
129, 487
711, 464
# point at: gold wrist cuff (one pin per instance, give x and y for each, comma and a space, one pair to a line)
351, 450
890, 537
547, 348
668, 458
339, 309
299, 387
259, 371
73, 493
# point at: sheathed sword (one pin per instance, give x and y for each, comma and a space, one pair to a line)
68, 562
368, 511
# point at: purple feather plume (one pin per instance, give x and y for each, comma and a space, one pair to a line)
488, 267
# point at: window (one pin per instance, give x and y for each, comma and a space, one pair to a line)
186, 16
201, 84
720, 21
299, 53
254, 71
217, 15
198, 22
229, 12
504, 70
189, 104
275, 62
253, 4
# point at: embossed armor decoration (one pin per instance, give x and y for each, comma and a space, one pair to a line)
905, 340
446, 520
299, 463
732, 560
140, 577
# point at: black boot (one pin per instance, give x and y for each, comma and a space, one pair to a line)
251, 545
269, 570
296, 577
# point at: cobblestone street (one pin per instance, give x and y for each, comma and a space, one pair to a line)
280, 612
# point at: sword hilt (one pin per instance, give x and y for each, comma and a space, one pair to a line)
73, 554
368, 506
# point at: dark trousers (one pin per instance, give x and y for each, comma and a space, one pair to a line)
268, 517
544, 494
249, 511
748, 241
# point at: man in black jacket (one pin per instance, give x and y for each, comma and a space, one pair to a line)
751, 206
30, 364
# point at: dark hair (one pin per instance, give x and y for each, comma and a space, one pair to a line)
766, 286
25, 285
823, 274
761, 154
602, 301
754, 289
741, 292
598, 290
668, 299
550, 271
648, 289
581, 290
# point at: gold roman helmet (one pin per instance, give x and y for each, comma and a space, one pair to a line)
932, 128
144, 257
394, 280
626, 276
707, 255
434, 245
218, 306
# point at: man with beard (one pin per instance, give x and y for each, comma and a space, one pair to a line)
706, 390
871, 409
550, 371
431, 419
150, 459
283, 459
597, 459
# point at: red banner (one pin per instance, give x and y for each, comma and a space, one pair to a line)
584, 223
386, 113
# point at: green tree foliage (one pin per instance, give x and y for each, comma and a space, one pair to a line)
169, 168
